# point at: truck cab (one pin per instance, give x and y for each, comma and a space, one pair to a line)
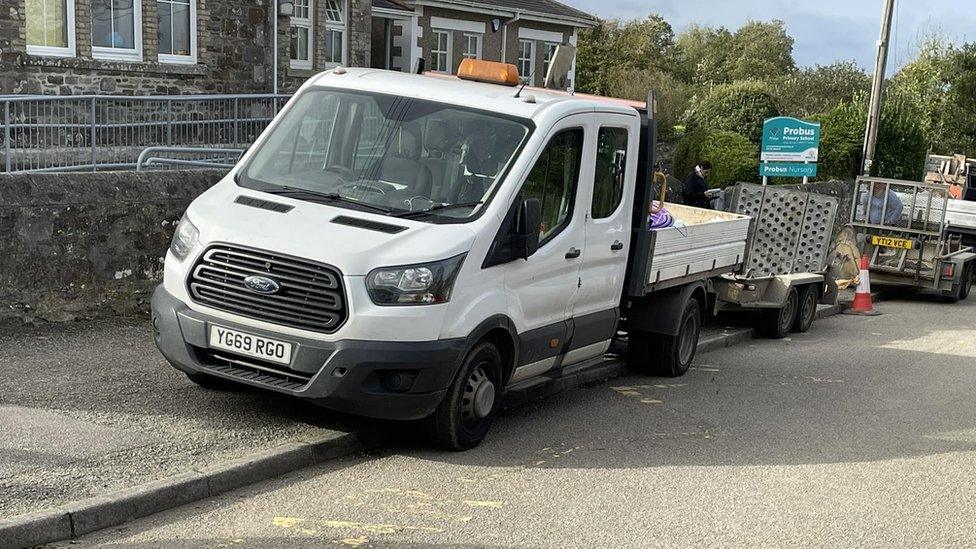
405, 247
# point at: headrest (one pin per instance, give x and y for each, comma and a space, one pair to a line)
405, 145
440, 136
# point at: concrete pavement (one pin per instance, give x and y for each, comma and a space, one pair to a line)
860, 433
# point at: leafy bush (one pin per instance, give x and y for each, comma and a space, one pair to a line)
741, 107
902, 145
734, 158
672, 95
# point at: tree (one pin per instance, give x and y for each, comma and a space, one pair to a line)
819, 89
757, 51
673, 95
734, 158
614, 48
741, 107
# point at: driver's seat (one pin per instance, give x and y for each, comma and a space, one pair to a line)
402, 165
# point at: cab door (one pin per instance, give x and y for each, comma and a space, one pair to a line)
543, 289
607, 226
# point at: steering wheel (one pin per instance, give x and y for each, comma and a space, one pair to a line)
411, 203
364, 187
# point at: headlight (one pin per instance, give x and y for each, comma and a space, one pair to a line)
425, 284
186, 239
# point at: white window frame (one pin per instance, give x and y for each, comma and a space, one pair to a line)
435, 52
339, 27
183, 59
304, 23
467, 54
123, 54
527, 76
547, 59
55, 51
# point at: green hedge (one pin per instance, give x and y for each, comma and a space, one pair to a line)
741, 107
734, 158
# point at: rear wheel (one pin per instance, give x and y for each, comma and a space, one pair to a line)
464, 417
776, 323
808, 309
664, 355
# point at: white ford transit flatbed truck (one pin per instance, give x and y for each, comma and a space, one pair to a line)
402, 246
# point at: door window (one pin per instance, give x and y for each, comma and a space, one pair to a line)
611, 164
553, 180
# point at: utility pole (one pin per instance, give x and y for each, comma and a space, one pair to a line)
877, 87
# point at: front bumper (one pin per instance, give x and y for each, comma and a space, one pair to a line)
380, 379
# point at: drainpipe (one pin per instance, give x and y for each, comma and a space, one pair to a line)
518, 16
274, 55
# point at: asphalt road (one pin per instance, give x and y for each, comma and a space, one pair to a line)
860, 433
91, 407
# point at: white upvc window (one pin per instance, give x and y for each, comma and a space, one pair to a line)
526, 60
177, 31
51, 27
440, 53
550, 53
302, 39
116, 28
472, 46
335, 32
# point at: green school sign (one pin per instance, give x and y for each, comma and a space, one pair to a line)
790, 140
787, 169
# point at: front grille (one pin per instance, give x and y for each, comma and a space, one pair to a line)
310, 295
255, 371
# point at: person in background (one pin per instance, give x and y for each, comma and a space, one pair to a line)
695, 188
892, 214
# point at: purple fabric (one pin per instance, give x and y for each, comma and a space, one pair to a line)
661, 219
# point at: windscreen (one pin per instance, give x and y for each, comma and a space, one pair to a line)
390, 154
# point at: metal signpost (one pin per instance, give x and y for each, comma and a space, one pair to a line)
790, 148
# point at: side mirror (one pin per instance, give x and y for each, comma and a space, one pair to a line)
527, 228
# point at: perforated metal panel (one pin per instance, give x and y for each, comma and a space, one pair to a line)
791, 230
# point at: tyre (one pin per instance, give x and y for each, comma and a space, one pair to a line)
464, 417
967, 282
210, 382
776, 323
808, 298
667, 356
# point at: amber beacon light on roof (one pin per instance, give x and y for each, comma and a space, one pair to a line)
490, 72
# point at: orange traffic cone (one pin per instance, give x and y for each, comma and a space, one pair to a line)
863, 304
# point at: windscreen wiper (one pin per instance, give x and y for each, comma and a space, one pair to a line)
436, 208
332, 197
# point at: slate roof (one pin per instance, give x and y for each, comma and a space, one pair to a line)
550, 7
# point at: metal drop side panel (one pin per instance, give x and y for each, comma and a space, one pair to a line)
709, 241
792, 229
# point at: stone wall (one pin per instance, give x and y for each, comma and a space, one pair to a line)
88, 244
234, 53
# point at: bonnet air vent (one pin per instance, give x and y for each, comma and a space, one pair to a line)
367, 224
263, 204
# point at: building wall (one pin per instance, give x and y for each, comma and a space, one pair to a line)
233, 53
491, 47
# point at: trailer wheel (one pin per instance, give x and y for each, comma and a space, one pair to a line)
776, 323
808, 309
464, 417
967, 282
664, 355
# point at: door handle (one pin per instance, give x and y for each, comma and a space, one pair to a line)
573, 253
616, 246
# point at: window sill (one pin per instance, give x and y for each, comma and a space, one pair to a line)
47, 51
109, 65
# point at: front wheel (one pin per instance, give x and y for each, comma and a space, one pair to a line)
776, 323
464, 417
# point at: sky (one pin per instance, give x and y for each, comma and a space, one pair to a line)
825, 30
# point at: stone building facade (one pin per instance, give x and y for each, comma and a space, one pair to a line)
129, 47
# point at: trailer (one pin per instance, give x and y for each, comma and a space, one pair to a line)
910, 232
